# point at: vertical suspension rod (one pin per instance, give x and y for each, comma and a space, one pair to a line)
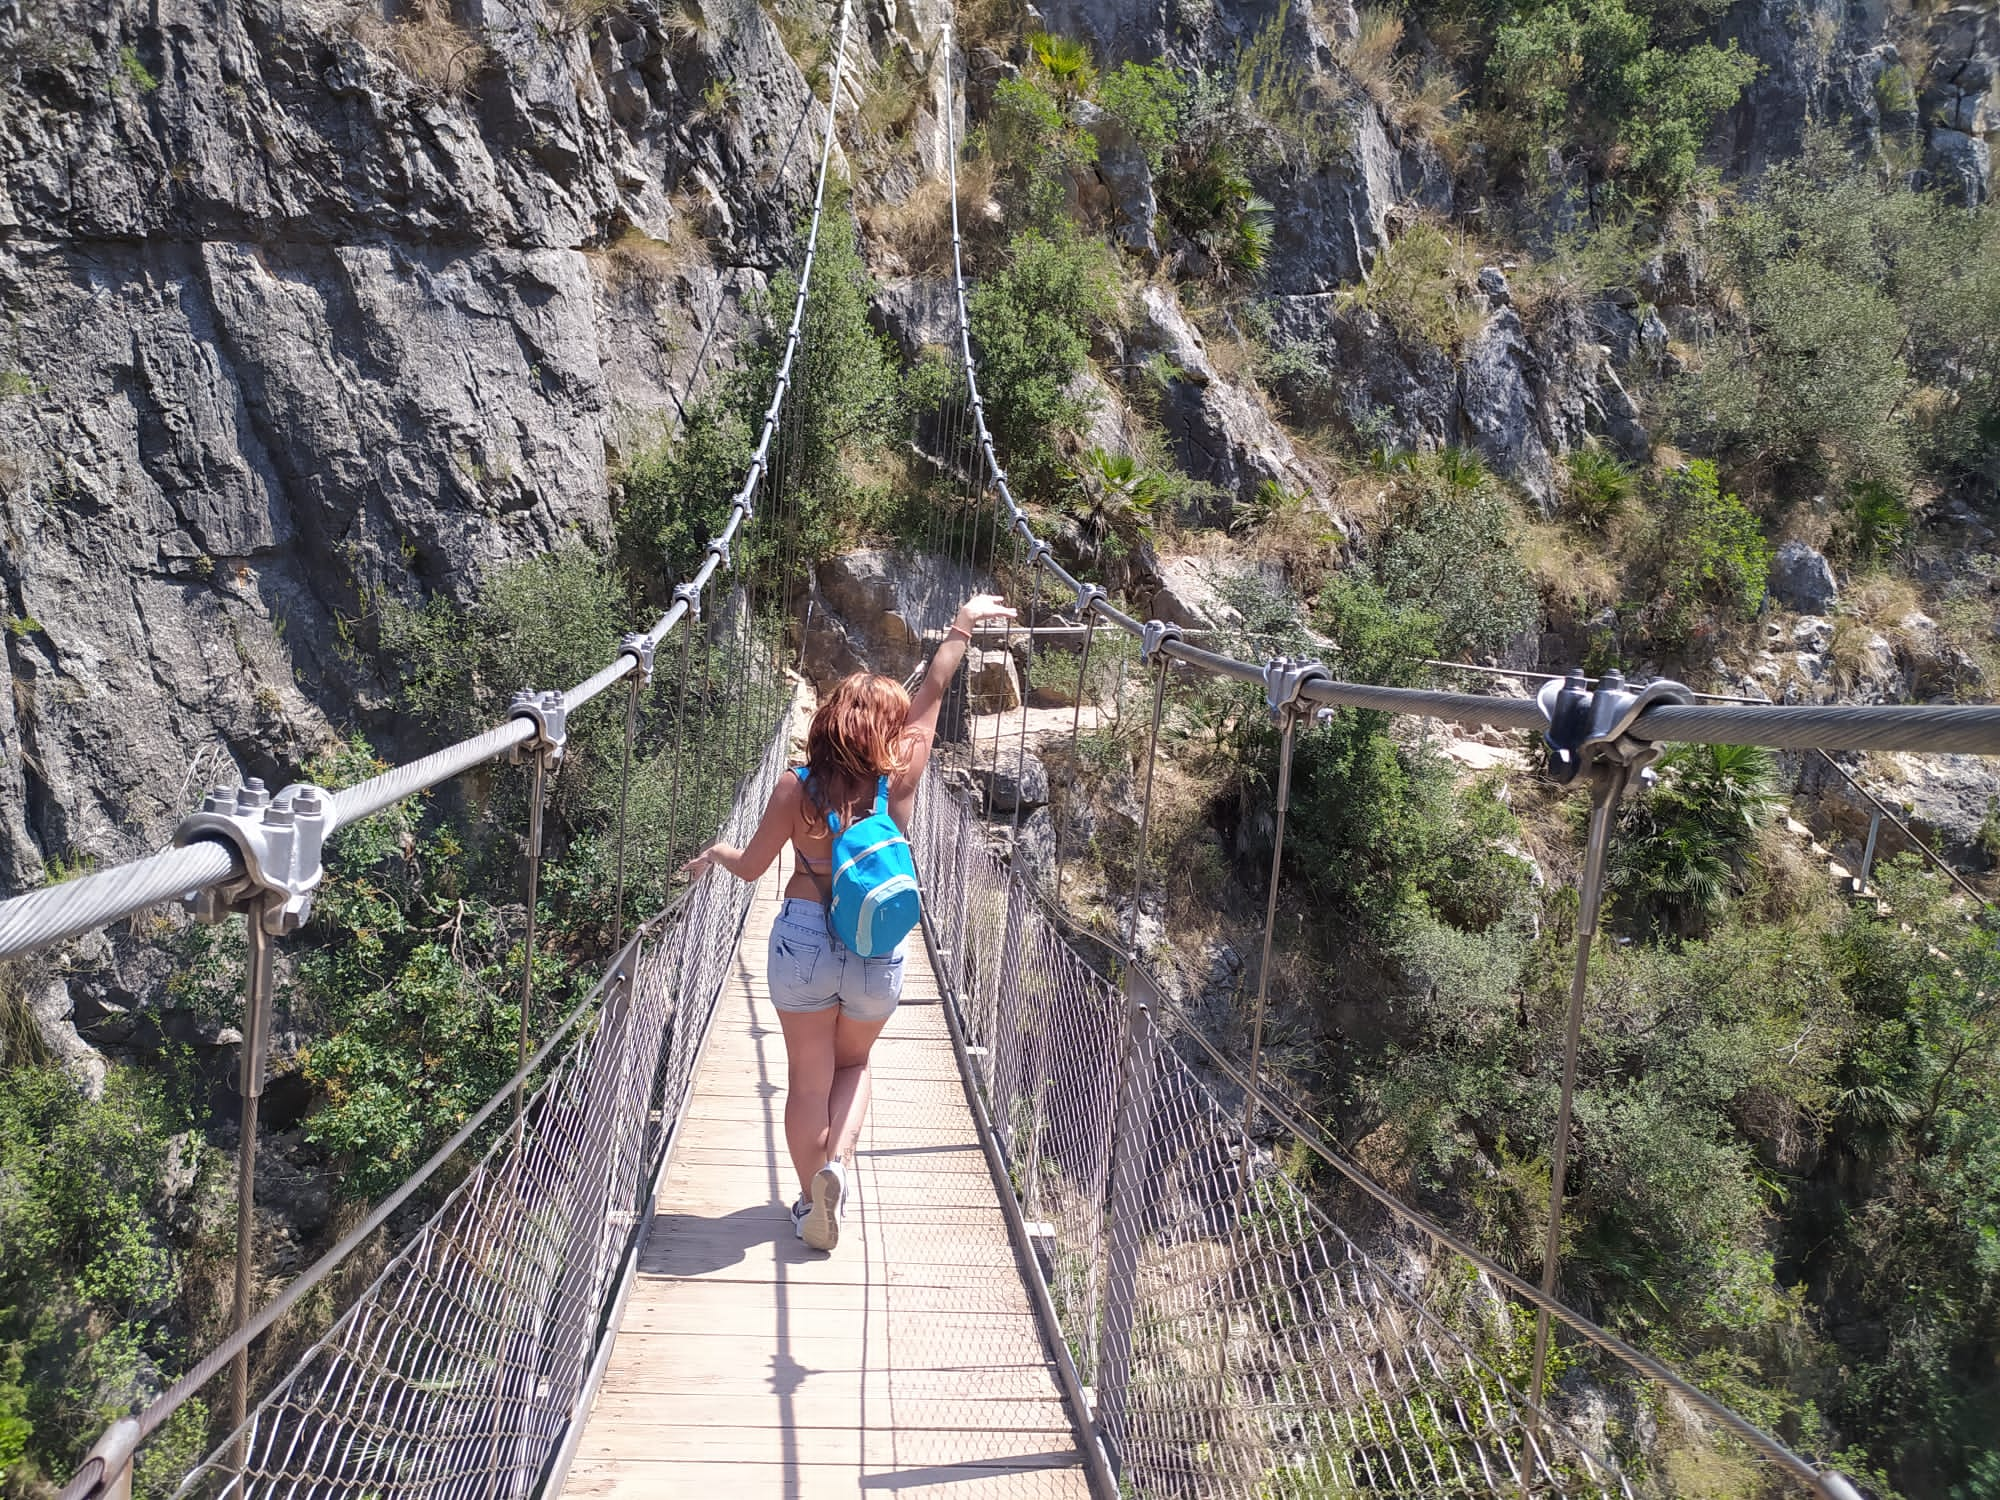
1146, 812
256, 1043
1607, 786
538, 770
1286, 739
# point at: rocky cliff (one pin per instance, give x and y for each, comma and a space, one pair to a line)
307, 306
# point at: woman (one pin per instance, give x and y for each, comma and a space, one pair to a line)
832, 1003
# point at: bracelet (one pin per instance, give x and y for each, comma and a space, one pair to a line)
955, 630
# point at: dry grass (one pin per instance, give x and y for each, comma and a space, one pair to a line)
1573, 577
635, 258
989, 23
442, 58
919, 228
891, 101
1370, 58
1790, 884
1431, 110
804, 37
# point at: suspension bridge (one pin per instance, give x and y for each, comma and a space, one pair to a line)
1070, 1267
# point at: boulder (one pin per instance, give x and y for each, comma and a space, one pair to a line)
994, 686
1802, 579
1015, 781
1189, 595
1126, 181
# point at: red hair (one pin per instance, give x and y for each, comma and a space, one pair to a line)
856, 736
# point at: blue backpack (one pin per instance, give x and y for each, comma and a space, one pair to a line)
875, 898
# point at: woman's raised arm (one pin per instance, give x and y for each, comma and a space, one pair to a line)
929, 697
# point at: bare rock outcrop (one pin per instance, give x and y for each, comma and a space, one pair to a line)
310, 309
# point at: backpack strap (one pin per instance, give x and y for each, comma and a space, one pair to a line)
881, 796
832, 817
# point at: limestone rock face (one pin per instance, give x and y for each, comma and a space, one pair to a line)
1125, 180
1220, 431
1520, 399
308, 309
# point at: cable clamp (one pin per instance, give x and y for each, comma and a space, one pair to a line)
1039, 551
1590, 728
690, 595
279, 838
1088, 597
1153, 635
640, 648
720, 551
551, 720
1285, 679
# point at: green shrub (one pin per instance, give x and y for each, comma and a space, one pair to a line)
1039, 150
1869, 340
86, 1272
1596, 487
1449, 554
1590, 71
1709, 552
1148, 100
1681, 848
675, 495
1031, 326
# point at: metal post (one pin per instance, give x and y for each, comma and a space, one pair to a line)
1075, 724
538, 769
1608, 781
1868, 853
1290, 719
1005, 1044
1145, 813
625, 797
256, 1045
1131, 1144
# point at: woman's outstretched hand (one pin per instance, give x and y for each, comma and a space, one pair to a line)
982, 607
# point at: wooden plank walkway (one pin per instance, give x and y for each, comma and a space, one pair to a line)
908, 1361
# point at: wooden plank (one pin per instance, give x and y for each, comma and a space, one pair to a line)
907, 1361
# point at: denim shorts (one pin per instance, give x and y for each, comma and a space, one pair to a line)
812, 970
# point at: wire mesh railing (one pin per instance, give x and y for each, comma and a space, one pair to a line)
460, 1370
1236, 1341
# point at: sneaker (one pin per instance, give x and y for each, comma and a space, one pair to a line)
821, 1227
799, 1211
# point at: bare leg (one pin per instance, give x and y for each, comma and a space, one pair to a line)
809, 1080
847, 1097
